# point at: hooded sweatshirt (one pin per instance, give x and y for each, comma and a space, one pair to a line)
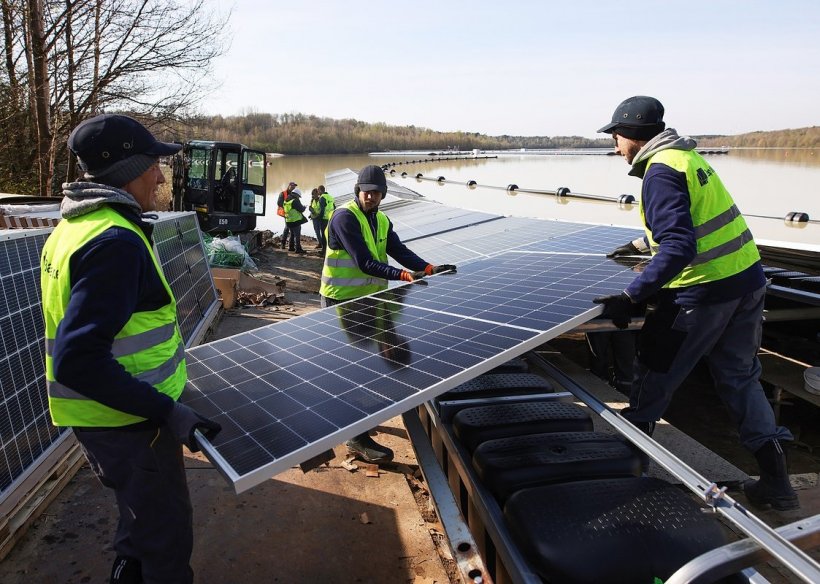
666, 203
112, 276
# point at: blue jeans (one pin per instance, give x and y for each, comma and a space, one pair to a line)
727, 336
319, 226
146, 471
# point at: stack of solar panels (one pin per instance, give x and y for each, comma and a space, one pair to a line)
26, 434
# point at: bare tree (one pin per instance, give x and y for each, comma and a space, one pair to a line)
150, 58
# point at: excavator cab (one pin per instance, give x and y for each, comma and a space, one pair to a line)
223, 182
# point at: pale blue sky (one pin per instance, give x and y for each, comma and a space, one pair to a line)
525, 67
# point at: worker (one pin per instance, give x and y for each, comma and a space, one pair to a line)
706, 285
359, 239
294, 217
321, 208
115, 359
280, 210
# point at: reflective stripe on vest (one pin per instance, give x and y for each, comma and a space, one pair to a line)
725, 245
341, 277
149, 346
132, 344
330, 205
291, 214
152, 376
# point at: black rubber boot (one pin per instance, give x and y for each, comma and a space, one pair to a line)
368, 450
126, 571
773, 489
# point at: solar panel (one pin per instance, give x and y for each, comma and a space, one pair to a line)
289, 391
425, 218
536, 291
179, 246
26, 433
591, 239
488, 239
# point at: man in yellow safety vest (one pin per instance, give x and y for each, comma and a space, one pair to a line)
706, 286
115, 359
359, 239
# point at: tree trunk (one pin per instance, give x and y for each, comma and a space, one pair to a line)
71, 167
39, 62
8, 42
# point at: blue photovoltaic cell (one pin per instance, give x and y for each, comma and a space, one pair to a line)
537, 291
423, 219
593, 239
283, 388
26, 433
488, 239
181, 253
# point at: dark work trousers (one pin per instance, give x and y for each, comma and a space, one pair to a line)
612, 357
146, 471
727, 335
319, 226
285, 235
295, 241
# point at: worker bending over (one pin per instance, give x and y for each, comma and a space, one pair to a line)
706, 286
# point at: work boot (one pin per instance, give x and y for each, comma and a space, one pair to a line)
126, 570
368, 450
773, 489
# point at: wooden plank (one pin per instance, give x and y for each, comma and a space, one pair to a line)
16, 522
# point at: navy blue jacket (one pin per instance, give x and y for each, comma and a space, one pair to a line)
344, 232
666, 202
112, 276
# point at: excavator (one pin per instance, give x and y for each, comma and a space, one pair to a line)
224, 182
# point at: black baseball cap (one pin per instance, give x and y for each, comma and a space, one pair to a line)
639, 118
371, 178
115, 149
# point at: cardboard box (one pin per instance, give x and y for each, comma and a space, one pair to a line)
226, 281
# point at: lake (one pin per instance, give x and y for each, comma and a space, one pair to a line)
765, 183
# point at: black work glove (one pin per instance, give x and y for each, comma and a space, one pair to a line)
630, 249
183, 421
618, 307
444, 268
625, 250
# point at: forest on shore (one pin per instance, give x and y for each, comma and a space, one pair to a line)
298, 133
